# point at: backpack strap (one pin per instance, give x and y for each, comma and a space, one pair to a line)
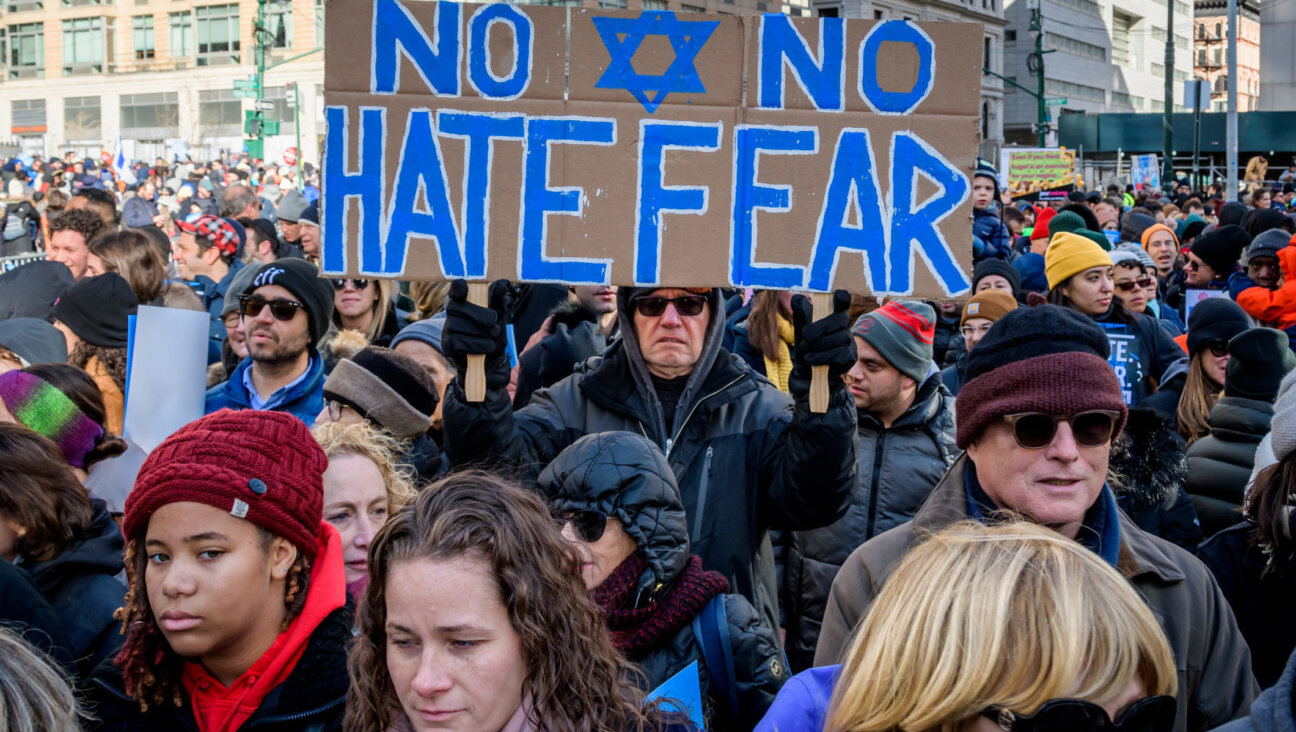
711, 628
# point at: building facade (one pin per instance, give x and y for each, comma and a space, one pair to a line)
1210, 45
1278, 56
162, 74
988, 12
1105, 57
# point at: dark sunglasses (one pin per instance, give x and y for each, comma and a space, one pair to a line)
1191, 265
341, 282
1132, 285
686, 305
1149, 714
1218, 348
588, 523
1035, 430
283, 310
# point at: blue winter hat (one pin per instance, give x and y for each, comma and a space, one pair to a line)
428, 331
1030, 266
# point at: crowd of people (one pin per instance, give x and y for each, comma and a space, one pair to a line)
1062, 501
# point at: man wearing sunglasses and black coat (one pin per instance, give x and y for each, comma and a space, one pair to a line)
1037, 418
748, 457
286, 310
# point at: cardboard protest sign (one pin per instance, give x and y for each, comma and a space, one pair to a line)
1030, 170
585, 146
1145, 171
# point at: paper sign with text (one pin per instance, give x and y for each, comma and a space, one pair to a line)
584, 146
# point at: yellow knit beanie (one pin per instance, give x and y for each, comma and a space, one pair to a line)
1070, 254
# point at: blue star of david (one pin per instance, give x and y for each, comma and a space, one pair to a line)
686, 38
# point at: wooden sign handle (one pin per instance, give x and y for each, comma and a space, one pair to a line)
821, 303
475, 379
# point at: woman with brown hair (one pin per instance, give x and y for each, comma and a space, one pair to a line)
93, 315
129, 253
476, 619
65, 540
764, 338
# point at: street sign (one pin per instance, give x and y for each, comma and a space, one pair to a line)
245, 94
263, 105
290, 156
245, 84
1055, 102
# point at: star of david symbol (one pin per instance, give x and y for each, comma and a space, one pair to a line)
622, 38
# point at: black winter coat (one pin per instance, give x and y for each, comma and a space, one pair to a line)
747, 457
25, 612
575, 339
1219, 464
1151, 467
82, 585
626, 477
1265, 605
897, 467
1165, 401
1141, 352
311, 699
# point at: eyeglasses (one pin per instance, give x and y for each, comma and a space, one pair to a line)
282, 310
654, 306
588, 523
1131, 285
1149, 714
341, 282
970, 330
1035, 430
1218, 348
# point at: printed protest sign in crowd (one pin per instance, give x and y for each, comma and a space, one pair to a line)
589, 147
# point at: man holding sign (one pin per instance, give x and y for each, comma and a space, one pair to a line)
748, 458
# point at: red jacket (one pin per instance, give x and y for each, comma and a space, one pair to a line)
1274, 306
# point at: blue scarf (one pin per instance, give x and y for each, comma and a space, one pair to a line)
1100, 533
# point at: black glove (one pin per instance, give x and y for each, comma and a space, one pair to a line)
825, 342
473, 329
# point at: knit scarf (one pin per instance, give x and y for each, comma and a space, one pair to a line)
637, 630
778, 370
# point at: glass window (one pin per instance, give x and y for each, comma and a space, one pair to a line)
319, 23
26, 50
142, 32
181, 25
283, 111
83, 46
654, 4
220, 112
18, 6
150, 115
28, 116
82, 119
218, 34
279, 25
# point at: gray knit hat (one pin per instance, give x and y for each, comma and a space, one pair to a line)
291, 207
1132, 251
902, 332
1282, 430
238, 286
1267, 244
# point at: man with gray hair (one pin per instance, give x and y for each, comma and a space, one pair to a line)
240, 201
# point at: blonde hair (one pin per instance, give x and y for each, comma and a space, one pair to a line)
380, 309
34, 695
429, 298
383, 450
1196, 401
1010, 616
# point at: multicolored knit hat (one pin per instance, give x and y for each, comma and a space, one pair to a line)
42, 408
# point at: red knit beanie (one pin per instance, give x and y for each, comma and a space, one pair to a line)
1041, 229
259, 465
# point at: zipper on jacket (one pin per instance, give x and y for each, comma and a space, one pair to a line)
670, 441
873, 492
702, 492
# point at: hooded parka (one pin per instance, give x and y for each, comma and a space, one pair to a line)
627, 478
747, 457
1219, 464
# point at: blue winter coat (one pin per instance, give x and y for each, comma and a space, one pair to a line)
304, 400
213, 297
989, 228
802, 703
1270, 712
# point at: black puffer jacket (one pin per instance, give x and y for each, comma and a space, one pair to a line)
576, 338
1219, 464
626, 477
25, 612
82, 585
748, 458
1151, 468
898, 467
311, 699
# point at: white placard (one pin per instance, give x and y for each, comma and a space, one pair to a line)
167, 378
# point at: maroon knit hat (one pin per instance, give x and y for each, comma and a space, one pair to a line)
259, 465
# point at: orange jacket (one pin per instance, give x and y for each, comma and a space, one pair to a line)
1274, 306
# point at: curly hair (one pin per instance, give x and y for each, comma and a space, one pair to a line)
367, 441
150, 669
113, 360
84, 222
575, 680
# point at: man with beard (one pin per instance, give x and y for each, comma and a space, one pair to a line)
285, 312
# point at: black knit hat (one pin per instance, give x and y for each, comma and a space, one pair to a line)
387, 388
1029, 332
1231, 213
996, 267
302, 279
1259, 358
1132, 226
98, 309
1214, 319
1221, 248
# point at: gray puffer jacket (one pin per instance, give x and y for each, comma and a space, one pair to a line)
898, 468
1219, 464
626, 477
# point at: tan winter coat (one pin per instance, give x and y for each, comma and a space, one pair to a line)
1214, 663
